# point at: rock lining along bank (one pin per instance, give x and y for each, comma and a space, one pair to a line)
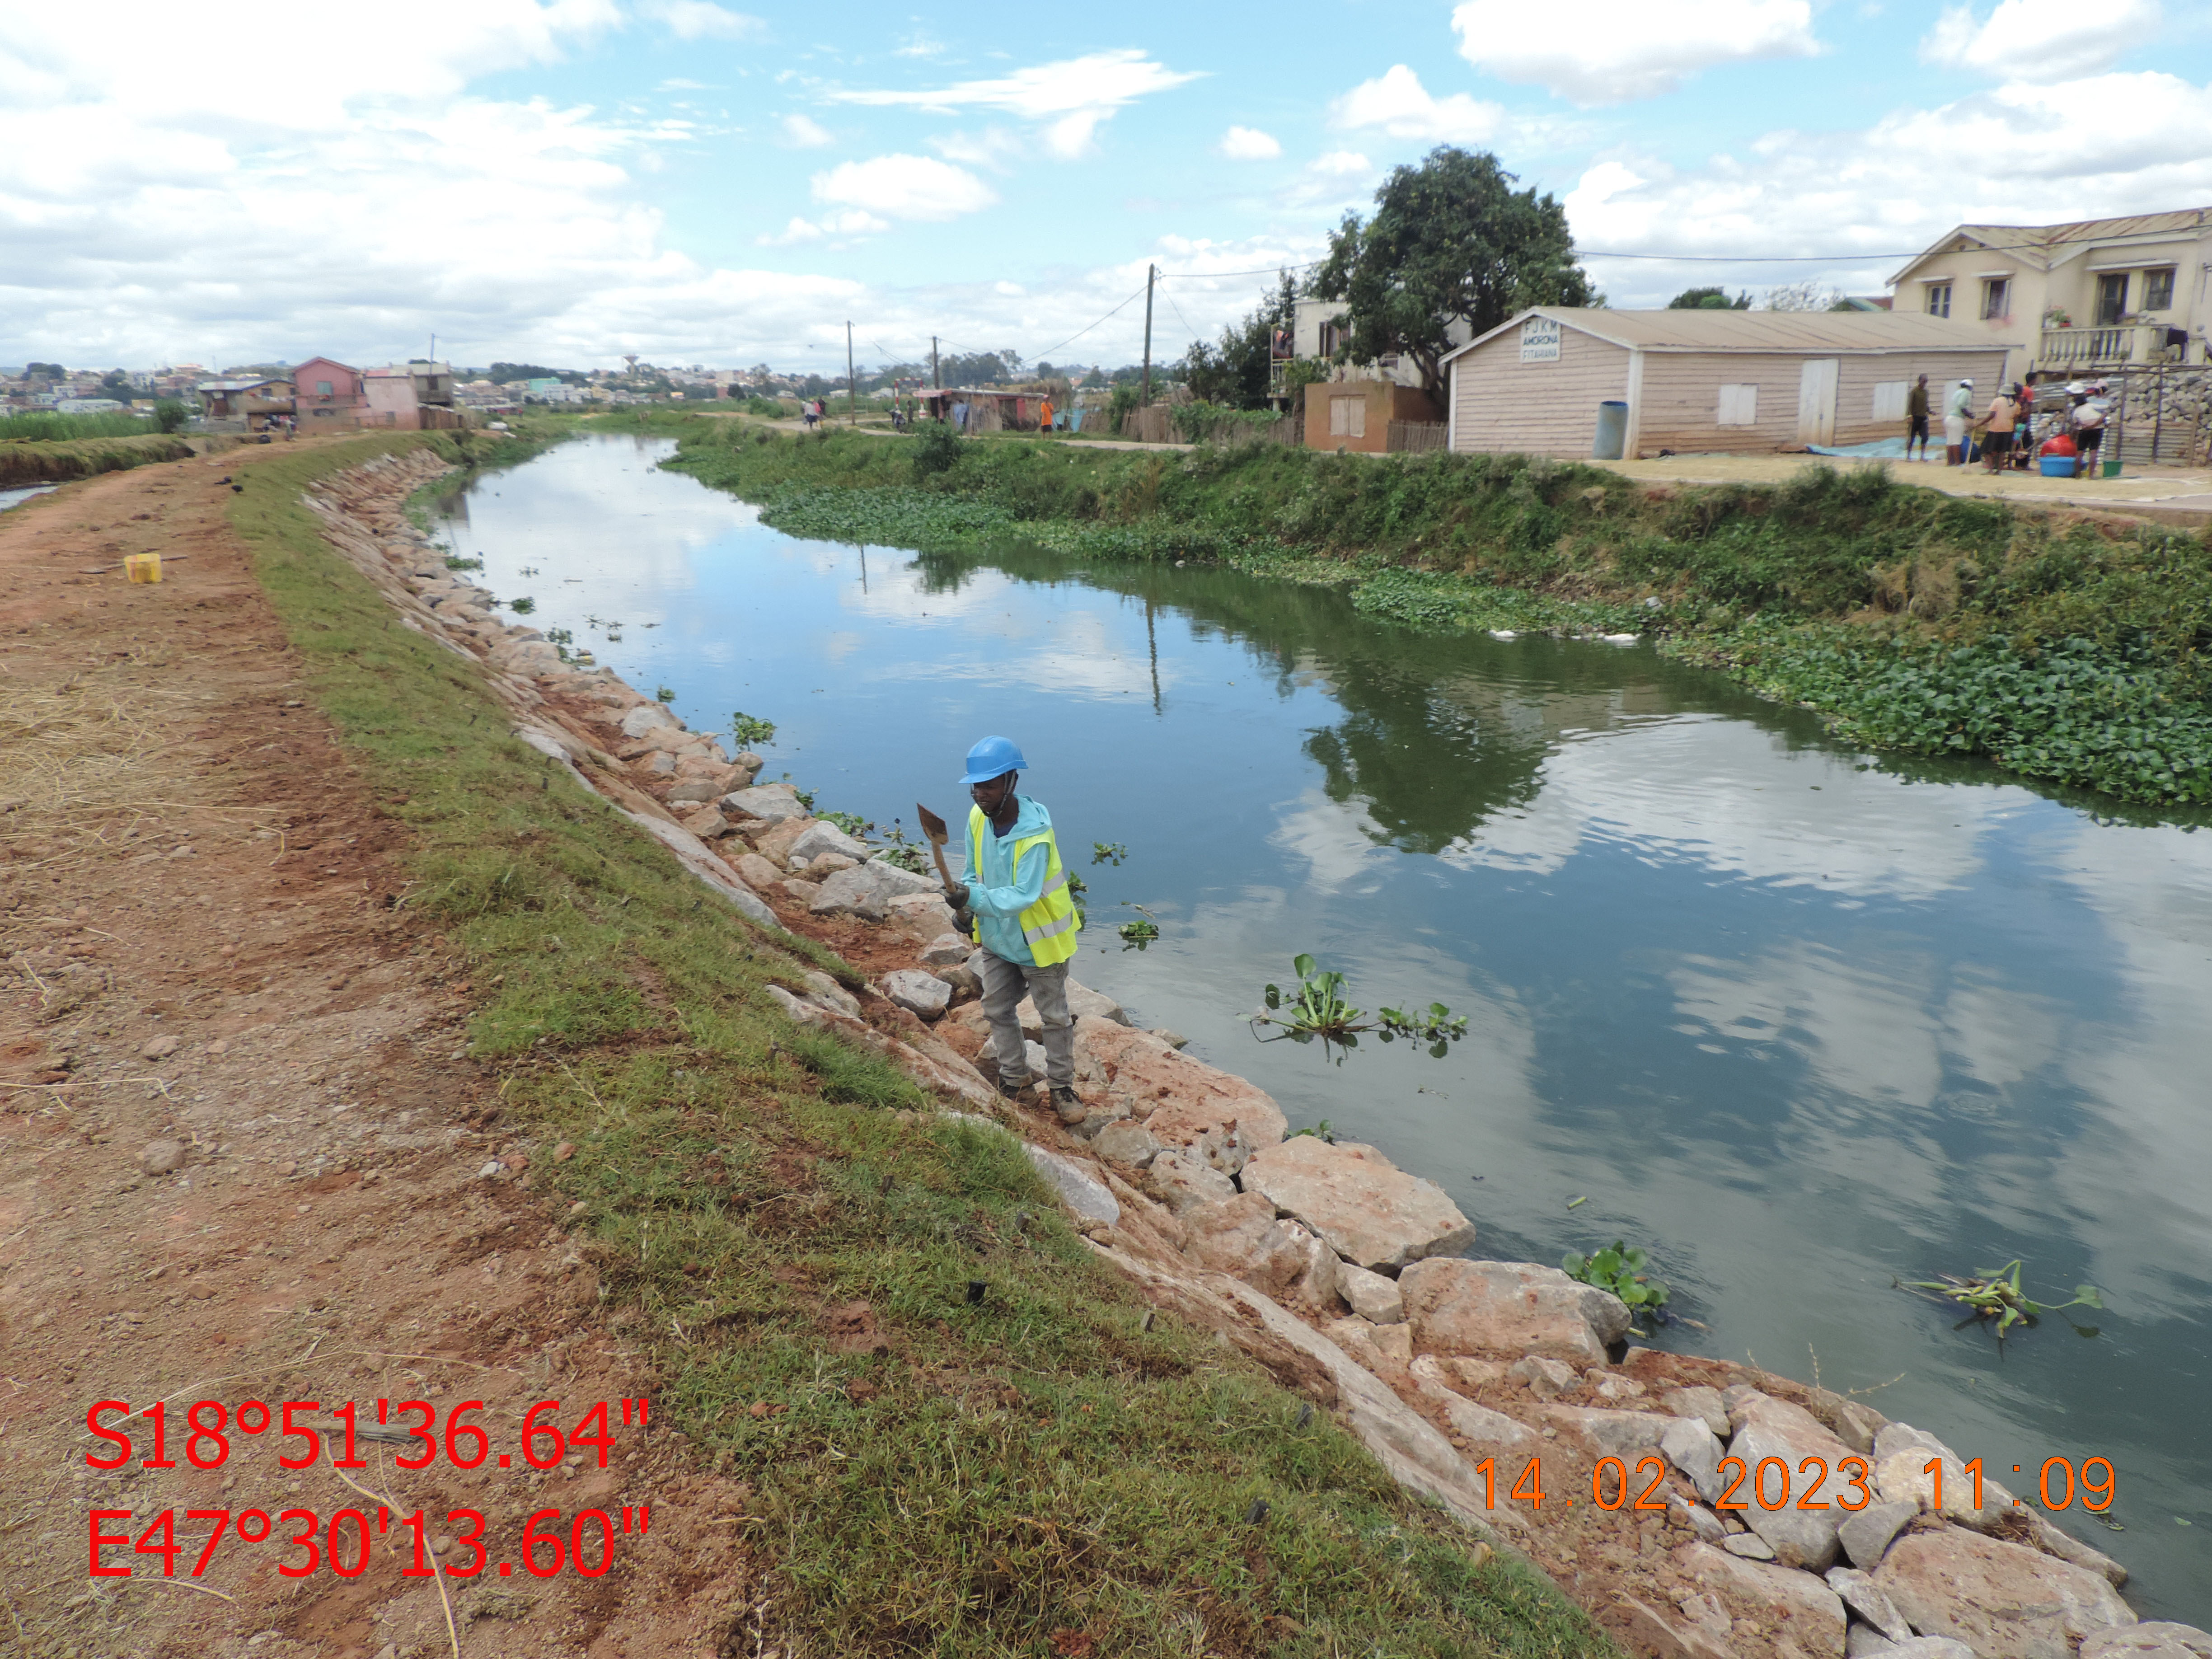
1474, 1382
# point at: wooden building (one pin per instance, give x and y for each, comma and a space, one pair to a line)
1369, 416
1707, 382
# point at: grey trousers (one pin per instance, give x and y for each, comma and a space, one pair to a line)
1004, 982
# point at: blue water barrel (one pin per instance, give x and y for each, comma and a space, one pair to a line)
1612, 431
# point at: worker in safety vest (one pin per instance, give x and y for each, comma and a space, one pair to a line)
1025, 920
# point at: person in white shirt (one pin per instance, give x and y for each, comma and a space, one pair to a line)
1958, 412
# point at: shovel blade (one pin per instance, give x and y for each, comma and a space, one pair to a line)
931, 825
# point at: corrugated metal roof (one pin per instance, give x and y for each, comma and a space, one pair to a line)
1768, 331
2040, 246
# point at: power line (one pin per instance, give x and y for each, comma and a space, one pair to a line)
1046, 354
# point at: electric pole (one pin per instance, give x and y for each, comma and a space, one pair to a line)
1150, 272
936, 375
851, 382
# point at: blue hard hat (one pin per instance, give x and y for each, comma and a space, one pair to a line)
993, 757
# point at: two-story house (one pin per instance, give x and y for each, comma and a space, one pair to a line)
2096, 295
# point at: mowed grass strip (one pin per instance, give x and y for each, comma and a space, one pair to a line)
932, 1470
2062, 647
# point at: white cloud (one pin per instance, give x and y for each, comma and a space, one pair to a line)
1611, 50
1069, 98
699, 19
2063, 157
851, 222
2040, 40
802, 132
1341, 164
996, 148
1402, 108
904, 187
1250, 145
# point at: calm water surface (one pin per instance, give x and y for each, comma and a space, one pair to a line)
1802, 1020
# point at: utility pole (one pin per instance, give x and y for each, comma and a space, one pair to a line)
852, 383
1150, 271
936, 375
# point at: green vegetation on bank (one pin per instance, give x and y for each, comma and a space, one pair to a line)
930, 1471
2061, 647
49, 461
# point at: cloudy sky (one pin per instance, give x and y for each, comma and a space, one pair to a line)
567, 180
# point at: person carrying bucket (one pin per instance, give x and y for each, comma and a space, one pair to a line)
1024, 920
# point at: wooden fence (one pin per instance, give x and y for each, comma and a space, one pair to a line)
1415, 434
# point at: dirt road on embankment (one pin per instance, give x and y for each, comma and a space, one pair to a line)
240, 1160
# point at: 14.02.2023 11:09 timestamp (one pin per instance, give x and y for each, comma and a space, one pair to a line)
1771, 1480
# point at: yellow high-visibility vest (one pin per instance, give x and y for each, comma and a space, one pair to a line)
1050, 924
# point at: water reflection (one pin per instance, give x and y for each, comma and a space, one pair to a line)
1805, 1021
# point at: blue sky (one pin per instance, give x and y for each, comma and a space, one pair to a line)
571, 181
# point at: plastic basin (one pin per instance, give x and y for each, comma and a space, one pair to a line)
2057, 466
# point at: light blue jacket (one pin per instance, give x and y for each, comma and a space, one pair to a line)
998, 892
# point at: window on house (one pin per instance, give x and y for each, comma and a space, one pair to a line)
2112, 298
1347, 417
1996, 298
2158, 289
1889, 399
1739, 406
1939, 299
1332, 337
322, 388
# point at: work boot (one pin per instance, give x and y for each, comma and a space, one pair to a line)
1016, 1088
1064, 1102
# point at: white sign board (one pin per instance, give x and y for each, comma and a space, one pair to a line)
1540, 340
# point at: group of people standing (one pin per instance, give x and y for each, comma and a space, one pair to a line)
2009, 432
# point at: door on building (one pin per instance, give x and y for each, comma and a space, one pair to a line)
2112, 298
1816, 400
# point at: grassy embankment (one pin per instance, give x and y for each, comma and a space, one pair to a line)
1035, 1463
2064, 649
36, 461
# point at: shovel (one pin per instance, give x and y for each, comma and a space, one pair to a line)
934, 827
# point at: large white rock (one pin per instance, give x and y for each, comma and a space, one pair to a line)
1810, 1613
1189, 1106
1626, 1435
822, 836
1769, 1428
1458, 1306
1470, 1420
772, 801
1241, 1236
1372, 1213
2155, 1639
1183, 1179
647, 716
1080, 1186
2003, 1601
1371, 1296
864, 890
918, 993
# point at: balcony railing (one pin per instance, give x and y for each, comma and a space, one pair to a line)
2122, 342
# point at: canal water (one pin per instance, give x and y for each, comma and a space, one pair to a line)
1802, 1021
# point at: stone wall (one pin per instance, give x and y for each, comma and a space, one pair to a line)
1347, 1277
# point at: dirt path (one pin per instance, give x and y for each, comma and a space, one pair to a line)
240, 1158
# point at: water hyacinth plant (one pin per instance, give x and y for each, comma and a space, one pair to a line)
1619, 1269
1997, 1296
1320, 1008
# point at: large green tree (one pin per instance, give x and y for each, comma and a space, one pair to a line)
1450, 241
1708, 299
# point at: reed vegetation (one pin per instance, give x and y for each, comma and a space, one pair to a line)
2060, 646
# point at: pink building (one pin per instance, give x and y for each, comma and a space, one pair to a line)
327, 394
412, 397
